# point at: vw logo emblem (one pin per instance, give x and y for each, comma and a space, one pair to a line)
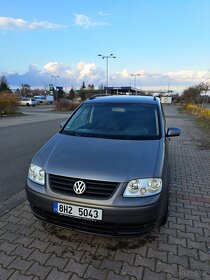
79, 187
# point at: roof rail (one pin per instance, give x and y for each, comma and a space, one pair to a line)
97, 96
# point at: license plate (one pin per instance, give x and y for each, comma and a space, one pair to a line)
77, 211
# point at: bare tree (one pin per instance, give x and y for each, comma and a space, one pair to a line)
25, 89
204, 87
193, 94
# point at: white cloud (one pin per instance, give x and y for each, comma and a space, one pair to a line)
33, 68
188, 75
86, 22
58, 69
85, 68
125, 73
9, 23
91, 73
82, 70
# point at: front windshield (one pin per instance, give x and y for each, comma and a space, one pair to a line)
116, 121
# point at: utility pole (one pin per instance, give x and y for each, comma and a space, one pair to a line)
56, 92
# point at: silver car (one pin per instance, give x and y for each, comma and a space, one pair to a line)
39, 98
27, 101
107, 170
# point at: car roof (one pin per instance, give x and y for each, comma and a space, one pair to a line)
124, 99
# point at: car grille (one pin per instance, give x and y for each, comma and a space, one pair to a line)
96, 227
94, 189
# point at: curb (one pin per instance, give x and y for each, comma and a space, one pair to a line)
12, 202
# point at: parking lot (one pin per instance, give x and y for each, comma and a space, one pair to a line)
30, 249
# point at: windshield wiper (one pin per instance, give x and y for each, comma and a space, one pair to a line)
70, 132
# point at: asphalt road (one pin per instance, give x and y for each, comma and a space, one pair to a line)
18, 145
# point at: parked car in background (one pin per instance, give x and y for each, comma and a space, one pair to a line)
27, 101
107, 170
40, 98
49, 99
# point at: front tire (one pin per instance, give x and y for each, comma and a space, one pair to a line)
164, 207
164, 216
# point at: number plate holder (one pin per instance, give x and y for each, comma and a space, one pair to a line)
77, 211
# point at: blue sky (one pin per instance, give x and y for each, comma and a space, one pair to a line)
166, 42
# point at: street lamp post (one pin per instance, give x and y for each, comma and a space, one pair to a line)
135, 75
107, 67
45, 87
56, 95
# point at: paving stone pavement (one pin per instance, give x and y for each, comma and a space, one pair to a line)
30, 249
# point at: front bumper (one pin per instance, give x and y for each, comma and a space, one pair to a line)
117, 221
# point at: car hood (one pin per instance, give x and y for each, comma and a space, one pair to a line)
98, 158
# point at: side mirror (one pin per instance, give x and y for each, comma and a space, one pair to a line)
62, 125
173, 131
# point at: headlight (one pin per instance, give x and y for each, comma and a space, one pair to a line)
143, 187
133, 186
36, 174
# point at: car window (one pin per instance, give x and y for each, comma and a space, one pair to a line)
81, 118
113, 120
